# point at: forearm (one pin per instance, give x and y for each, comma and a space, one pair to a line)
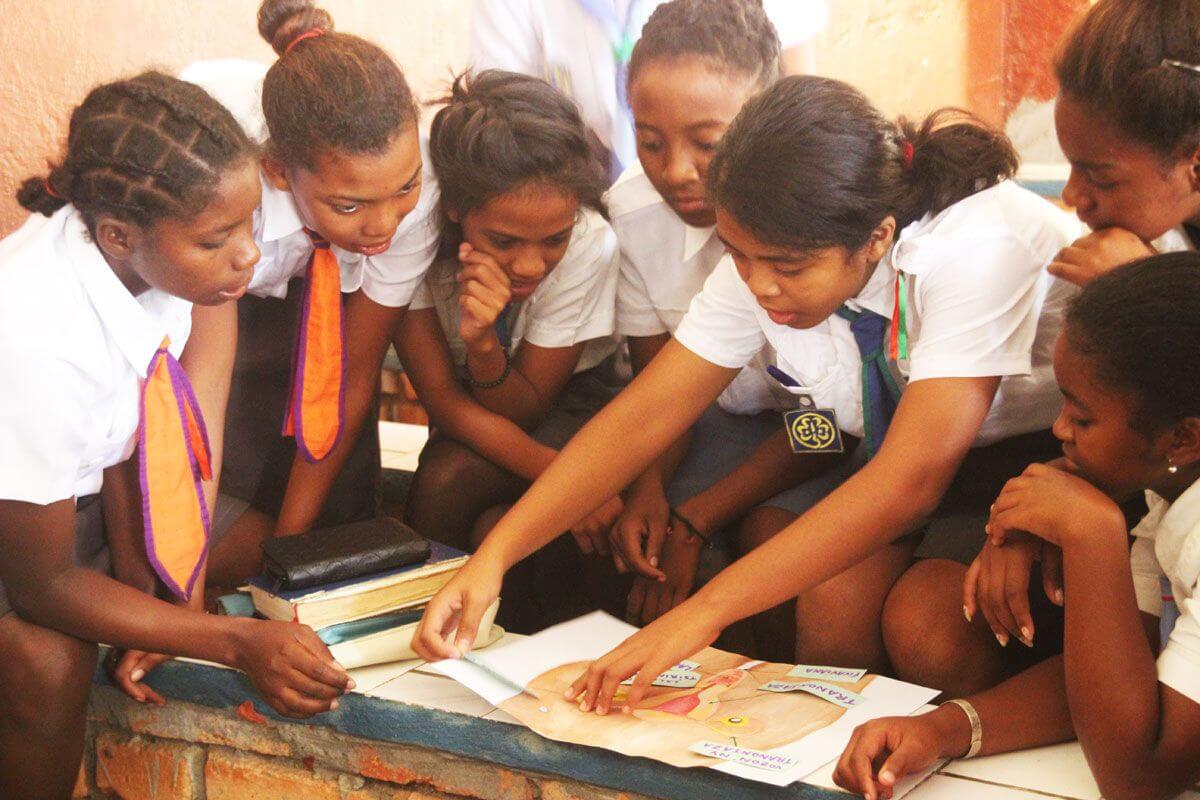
95, 608
515, 398
658, 475
619, 442
1113, 692
496, 438
770, 469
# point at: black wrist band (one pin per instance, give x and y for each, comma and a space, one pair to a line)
490, 384
687, 523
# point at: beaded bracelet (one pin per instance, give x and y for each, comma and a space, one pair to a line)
491, 384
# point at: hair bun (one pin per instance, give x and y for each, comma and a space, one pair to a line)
281, 21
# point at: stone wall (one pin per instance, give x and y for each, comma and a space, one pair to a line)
183, 751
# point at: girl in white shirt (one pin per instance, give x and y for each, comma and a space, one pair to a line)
1127, 118
582, 47
830, 211
1128, 363
343, 171
1129, 121
687, 81
506, 340
148, 212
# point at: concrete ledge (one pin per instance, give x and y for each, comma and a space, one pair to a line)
201, 746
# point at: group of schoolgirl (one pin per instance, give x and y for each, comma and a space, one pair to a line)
780, 247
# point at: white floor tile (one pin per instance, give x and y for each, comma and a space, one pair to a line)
374, 676
441, 693
947, 787
1059, 770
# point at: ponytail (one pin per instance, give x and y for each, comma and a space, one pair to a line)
810, 163
954, 155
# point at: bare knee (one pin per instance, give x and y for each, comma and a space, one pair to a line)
44, 675
760, 525
927, 639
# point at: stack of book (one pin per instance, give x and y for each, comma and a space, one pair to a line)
370, 619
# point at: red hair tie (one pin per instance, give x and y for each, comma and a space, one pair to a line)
312, 33
50, 190
909, 152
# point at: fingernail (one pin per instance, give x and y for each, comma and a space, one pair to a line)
464, 645
1027, 637
602, 711
1002, 639
137, 675
654, 561
333, 706
351, 685
569, 694
967, 613
887, 777
626, 709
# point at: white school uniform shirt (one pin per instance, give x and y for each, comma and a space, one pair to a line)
74, 349
664, 264
563, 43
574, 303
1175, 240
980, 303
1167, 542
390, 278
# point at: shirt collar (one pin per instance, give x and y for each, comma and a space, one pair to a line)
694, 240
879, 293
134, 330
278, 213
1174, 527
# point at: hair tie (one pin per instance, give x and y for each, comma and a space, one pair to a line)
1180, 65
311, 33
50, 190
909, 151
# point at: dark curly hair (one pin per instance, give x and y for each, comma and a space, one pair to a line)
500, 130
730, 34
1139, 328
331, 90
139, 150
811, 163
1112, 62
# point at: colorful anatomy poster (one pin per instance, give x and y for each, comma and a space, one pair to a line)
748, 718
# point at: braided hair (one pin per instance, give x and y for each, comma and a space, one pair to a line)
329, 90
139, 150
731, 35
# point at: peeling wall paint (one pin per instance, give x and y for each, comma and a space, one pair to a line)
909, 56
55, 50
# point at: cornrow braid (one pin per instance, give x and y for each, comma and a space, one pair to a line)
139, 150
734, 35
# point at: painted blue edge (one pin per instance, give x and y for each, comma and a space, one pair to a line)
485, 740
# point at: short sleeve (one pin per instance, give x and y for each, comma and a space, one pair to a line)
42, 420
1146, 573
503, 37
978, 302
392, 278
636, 313
580, 304
797, 21
1179, 663
720, 325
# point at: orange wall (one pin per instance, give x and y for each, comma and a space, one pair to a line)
55, 50
910, 56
